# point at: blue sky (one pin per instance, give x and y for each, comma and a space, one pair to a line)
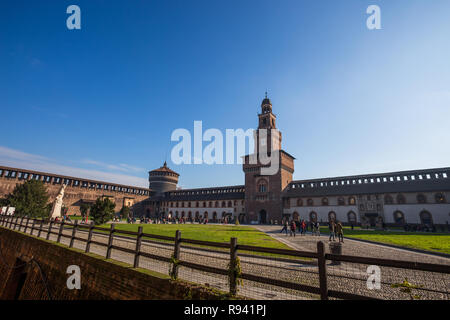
102, 102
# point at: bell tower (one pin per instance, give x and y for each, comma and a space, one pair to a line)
263, 200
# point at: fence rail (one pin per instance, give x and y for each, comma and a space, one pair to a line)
318, 279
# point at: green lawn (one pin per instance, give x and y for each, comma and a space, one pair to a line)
216, 233
439, 242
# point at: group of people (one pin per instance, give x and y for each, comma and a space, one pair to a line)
335, 229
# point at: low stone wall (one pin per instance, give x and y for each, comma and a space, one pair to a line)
100, 278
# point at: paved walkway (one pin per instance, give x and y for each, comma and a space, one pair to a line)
351, 247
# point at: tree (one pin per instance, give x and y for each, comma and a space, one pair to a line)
30, 199
125, 211
84, 209
102, 210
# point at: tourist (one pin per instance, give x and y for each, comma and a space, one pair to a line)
293, 228
331, 228
303, 227
318, 228
340, 231
285, 227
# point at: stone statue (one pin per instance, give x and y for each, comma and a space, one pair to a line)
57, 205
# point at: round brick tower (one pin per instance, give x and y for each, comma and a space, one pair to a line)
163, 179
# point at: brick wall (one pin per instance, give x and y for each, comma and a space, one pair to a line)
100, 278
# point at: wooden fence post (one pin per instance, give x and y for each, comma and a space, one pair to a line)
89, 239
138, 247
61, 228
110, 241
26, 225
233, 258
49, 232
32, 226
74, 230
176, 253
321, 262
40, 228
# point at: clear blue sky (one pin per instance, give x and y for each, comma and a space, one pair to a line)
102, 102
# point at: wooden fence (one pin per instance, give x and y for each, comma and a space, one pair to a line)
233, 274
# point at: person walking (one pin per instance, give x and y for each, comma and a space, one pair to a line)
318, 228
285, 227
340, 231
332, 228
293, 228
303, 227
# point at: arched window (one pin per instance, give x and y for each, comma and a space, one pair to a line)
210, 204
310, 202
351, 217
399, 217
401, 199
299, 202
341, 201
223, 204
262, 185
224, 214
426, 218
230, 204
197, 215
440, 198
182, 214
332, 216
205, 215
421, 198
388, 199
189, 215
313, 216
214, 215
295, 216
324, 201
262, 188
351, 201
196, 204
217, 204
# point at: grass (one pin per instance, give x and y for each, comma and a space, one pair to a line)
215, 233
434, 242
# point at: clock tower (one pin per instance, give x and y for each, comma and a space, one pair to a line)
263, 200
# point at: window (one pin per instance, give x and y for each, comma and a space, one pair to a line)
440, 198
399, 217
351, 216
313, 216
388, 199
401, 199
421, 198
299, 202
425, 218
324, 201
341, 201
262, 188
331, 216
310, 202
351, 201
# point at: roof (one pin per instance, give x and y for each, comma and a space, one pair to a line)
429, 180
165, 168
